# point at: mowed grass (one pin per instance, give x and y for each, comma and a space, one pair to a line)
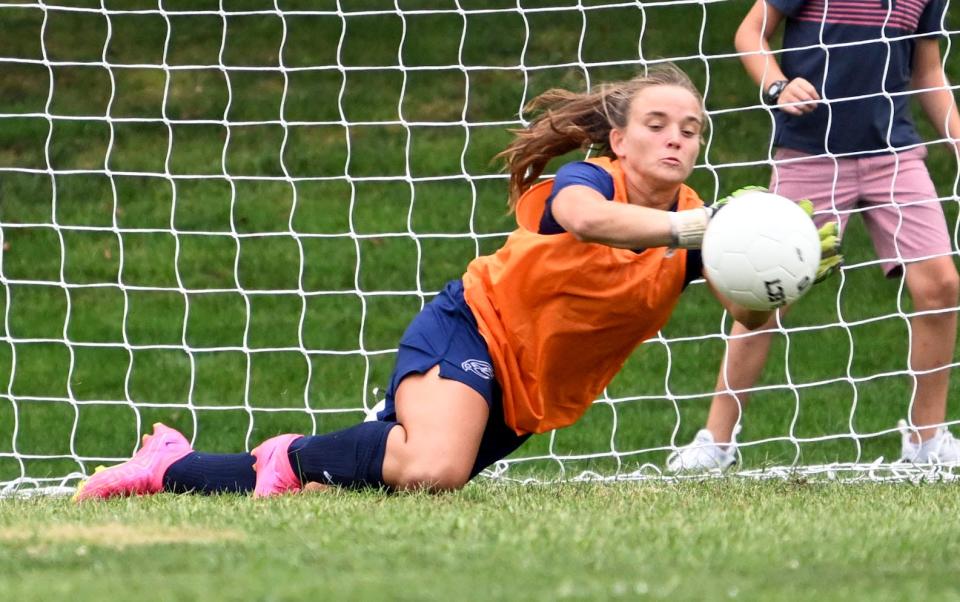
719, 540
234, 248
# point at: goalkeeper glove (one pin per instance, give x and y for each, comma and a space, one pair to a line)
830, 257
687, 227
738, 192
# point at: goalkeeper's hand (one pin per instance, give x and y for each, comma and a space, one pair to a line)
687, 227
830, 257
717, 206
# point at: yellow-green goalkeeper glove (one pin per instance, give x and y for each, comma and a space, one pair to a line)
738, 192
687, 227
830, 257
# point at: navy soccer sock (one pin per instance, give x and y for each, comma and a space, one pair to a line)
211, 473
350, 458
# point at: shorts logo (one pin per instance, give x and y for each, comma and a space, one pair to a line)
479, 367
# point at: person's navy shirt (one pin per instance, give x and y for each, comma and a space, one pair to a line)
878, 70
582, 173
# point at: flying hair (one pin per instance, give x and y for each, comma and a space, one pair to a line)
566, 121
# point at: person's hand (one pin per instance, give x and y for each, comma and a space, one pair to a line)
830, 257
801, 91
720, 203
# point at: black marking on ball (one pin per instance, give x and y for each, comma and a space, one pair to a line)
775, 293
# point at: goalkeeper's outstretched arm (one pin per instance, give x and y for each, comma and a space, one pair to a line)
586, 214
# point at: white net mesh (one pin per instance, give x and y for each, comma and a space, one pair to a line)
223, 215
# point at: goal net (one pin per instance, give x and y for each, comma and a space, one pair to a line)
222, 215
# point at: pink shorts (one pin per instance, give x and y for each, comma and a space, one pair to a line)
892, 192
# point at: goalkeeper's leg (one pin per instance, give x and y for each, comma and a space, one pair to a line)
446, 433
437, 449
445, 439
351, 457
435, 444
442, 423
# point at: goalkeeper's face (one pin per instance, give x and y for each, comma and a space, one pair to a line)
661, 140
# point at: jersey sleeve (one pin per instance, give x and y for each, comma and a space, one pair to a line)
787, 7
932, 21
579, 173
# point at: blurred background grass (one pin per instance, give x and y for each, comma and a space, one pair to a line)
205, 216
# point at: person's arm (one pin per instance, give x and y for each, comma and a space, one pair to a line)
751, 318
936, 99
589, 217
752, 41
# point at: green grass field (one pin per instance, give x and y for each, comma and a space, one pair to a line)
729, 540
221, 247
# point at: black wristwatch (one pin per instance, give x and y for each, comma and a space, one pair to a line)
772, 93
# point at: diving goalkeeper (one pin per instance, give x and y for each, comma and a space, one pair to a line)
530, 335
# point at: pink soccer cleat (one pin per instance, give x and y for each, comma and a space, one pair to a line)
274, 473
143, 473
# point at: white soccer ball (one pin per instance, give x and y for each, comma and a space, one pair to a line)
761, 251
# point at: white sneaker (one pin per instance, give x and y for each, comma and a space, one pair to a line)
703, 454
371, 414
942, 448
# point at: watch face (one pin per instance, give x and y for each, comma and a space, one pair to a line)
773, 92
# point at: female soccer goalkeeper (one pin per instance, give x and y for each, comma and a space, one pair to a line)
530, 335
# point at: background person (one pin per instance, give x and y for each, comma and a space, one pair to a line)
845, 140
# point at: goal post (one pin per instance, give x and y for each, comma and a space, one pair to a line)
221, 215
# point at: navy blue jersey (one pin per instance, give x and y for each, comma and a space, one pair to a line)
863, 82
581, 173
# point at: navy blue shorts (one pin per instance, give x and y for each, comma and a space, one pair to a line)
445, 333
